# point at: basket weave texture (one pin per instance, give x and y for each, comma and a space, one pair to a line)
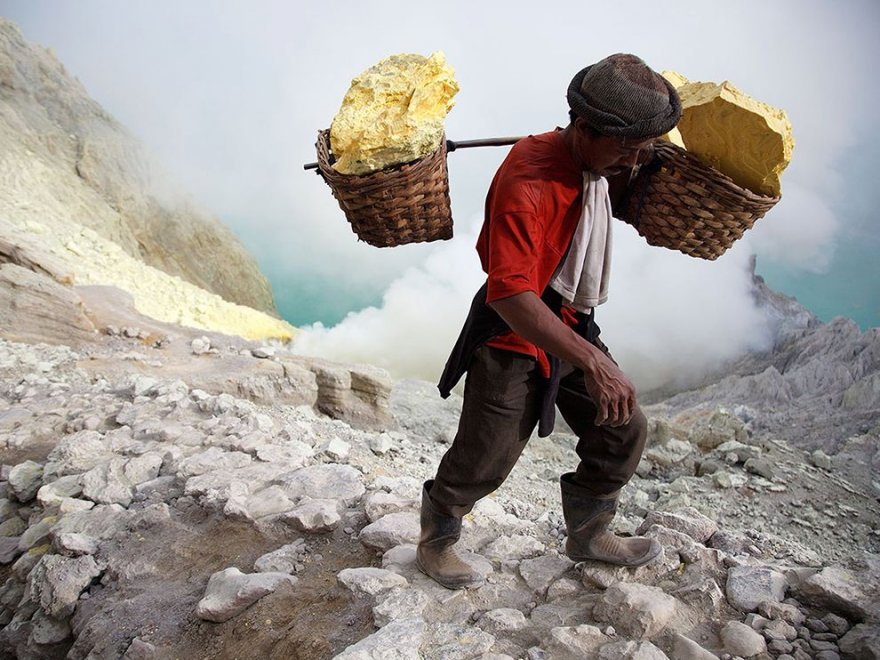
679, 202
403, 204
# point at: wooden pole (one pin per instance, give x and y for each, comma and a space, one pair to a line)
452, 145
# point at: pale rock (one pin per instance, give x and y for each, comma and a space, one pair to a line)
761, 467
51, 494
141, 469
703, 594
637, 610
502, 620
779, 629
820, 459
293, 454
49, 630
631, 650
671, 453
8, 549
720, 427
164, 487
687, 521
200, 345
101, 522
400, 558
398, 604
266, 502
37, 533
562, 613
737, 452
785, 612
563, 588
855, 595
391, 530
56, 582
739, 639
408, 487
230, 592
726, 479
74, 505
211, 460
399, 640
456, 642
314, 516
106, 484
7, 509
75, 545
862, 642
335, 449
13, 527
748, 586
603, 575
380, 503
370, 582
357, 395
142, 385
381, 444
282, 560
575, 642
673, 542
685, 648
729, 542
541, 572
508, 548
139, 650
836, 624
330, 481
25, 480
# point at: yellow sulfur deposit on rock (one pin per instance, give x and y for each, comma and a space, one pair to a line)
393, 113
749, 141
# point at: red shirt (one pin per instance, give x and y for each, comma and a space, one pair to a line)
532, 210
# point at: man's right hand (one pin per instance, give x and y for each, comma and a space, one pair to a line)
611, 391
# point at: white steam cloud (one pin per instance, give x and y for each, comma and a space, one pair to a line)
669, 317
229, 97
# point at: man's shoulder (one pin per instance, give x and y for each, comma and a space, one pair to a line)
541, 158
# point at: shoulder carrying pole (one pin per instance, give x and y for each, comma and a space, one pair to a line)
452, 145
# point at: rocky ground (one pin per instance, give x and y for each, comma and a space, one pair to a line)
168, 495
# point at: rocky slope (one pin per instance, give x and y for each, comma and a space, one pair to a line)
168, 494
69, 171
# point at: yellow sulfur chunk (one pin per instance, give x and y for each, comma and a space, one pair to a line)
749, 141
393, 113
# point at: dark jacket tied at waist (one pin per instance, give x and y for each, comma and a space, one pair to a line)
483, 323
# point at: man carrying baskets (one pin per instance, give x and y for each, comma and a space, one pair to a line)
530, 343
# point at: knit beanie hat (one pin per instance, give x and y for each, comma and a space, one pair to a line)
622, 96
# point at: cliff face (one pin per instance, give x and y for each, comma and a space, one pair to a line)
64, 161
818, 387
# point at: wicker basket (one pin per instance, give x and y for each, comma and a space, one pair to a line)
679, 202
402, 204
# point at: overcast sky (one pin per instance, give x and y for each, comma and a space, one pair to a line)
230, 95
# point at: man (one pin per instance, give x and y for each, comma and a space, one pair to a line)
530, 343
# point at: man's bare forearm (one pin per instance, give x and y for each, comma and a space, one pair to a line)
612, 392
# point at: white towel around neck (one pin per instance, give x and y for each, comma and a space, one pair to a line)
582, 277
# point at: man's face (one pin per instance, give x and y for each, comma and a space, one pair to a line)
607, 156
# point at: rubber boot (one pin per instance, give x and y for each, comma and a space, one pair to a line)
587, 518
435, 556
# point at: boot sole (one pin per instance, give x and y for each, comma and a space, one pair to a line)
450, 585
608, 560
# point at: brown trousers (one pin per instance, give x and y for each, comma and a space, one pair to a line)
502, 399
